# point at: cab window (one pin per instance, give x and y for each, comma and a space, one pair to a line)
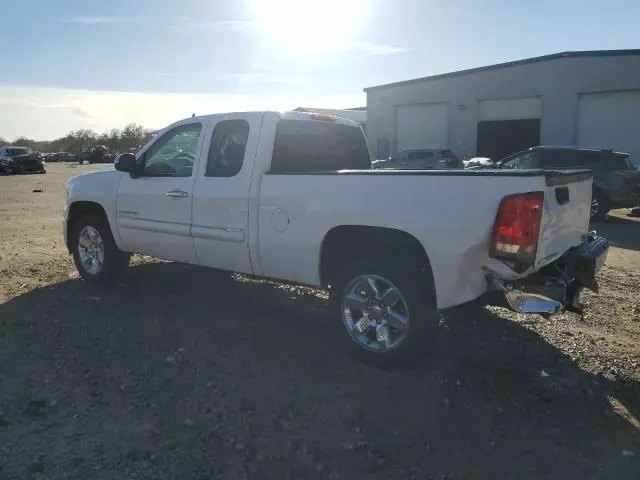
228, 146
522, 161
173, 154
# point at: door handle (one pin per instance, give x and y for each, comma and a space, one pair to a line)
177, 193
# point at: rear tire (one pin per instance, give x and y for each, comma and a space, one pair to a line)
95, 253
372, 333
600, 205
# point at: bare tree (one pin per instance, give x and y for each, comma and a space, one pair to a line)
76, 141
132, 136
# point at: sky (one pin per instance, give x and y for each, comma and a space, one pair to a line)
70, 64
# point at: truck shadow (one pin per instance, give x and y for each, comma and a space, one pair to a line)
621, 232
258, 370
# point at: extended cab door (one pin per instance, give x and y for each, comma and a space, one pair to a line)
222, 192
154, 209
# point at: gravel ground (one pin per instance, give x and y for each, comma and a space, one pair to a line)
186, 373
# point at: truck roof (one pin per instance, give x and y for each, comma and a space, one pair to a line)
582, 149
287, 115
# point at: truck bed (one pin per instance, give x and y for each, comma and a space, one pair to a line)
459, 209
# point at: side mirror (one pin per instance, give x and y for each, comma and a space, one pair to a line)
126, 162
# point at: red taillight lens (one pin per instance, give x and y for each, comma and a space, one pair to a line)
323, 117
517, 227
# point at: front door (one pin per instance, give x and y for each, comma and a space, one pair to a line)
154, 209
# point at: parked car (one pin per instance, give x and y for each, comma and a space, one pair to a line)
97, 154
616, 181
291, 196
68, 157
420, 159
60, 157
20, 160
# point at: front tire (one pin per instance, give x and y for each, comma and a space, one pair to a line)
95, 252
383, 313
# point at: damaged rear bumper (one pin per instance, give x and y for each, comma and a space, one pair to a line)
557, 286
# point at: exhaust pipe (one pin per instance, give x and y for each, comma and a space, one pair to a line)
547, 298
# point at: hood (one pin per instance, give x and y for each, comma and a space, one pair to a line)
91, 184
107, 174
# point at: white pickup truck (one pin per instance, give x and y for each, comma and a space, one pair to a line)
292, 196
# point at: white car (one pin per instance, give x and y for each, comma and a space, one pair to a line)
292, 196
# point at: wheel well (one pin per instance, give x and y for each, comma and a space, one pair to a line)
349, 242
81, 209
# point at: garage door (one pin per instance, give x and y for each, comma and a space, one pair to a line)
610, 120
508, 125
422, 126
502, 109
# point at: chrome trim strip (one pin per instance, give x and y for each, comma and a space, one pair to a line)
158, 226
225, 234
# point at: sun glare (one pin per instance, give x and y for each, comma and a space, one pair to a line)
308, 25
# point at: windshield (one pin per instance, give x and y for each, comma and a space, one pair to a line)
18, 150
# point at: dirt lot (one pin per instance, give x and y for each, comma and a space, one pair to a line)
186, 373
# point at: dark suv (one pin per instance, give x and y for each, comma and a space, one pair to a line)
616, 182
20, 160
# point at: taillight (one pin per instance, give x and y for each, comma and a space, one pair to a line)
323, 117
517, 227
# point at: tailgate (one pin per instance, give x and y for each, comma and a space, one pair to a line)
566, 214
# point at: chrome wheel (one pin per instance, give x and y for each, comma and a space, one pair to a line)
375, 313
595, 207
91, 250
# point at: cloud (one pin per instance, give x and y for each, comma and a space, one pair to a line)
80, 112
190, 25
49, 112
377, 49
233, 25
97, 20
260, 66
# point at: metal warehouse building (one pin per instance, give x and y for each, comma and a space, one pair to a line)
574, 98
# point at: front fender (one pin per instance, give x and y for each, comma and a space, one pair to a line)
100, 188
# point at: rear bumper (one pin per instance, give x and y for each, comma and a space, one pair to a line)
557, 286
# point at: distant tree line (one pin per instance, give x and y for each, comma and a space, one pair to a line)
77, 141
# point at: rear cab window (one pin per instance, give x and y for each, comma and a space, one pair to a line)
303, 146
